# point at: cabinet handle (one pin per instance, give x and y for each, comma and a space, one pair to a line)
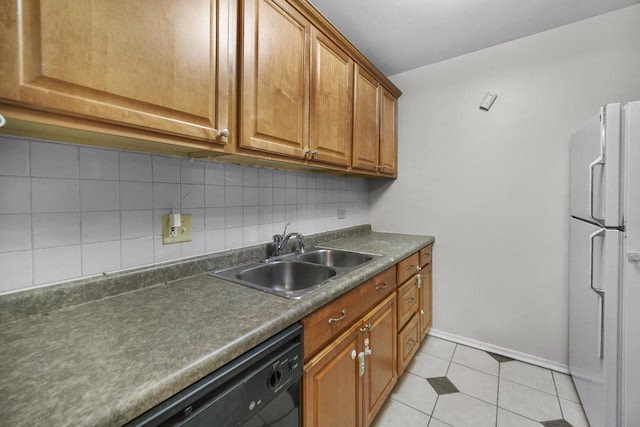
410, 267
336, 320
382, 287
315, 153
224, 133
307, 153
353, 354
410, 301
410, 343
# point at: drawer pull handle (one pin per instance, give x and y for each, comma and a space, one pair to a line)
410, 301
382, 287
410, 267
410, 343
336, 320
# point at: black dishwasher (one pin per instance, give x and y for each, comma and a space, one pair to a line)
261, 388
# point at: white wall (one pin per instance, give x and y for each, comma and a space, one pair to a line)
493, 186
69, 211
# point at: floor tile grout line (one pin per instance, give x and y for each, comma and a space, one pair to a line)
475, 369
555, 386
409, 406
529, 387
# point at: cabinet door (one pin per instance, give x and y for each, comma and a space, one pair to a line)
426, 301
332, 386
144, 64
381, 365
408, 343
389, 134
408, 300
275, 78
331, 102
366, 121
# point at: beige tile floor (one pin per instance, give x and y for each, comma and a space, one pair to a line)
479, 390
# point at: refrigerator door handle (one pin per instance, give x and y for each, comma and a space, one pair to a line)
598, 291
592, 166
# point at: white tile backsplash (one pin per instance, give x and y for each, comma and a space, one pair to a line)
136, 195
100, 226
17, 270
135, 167
136, 224
100, 258
136, 252
99, 164
55, 195
16, 233
14, 195
56, 264
166, 169
191, 172
14, 157
99, 195
54, 161
72, 211
55, 229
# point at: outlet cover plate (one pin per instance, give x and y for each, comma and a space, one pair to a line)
182, 233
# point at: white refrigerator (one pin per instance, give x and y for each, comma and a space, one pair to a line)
604, 266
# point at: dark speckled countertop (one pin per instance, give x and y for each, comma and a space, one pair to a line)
104, 361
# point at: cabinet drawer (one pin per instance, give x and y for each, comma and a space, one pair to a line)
408, 343
425, 256
407, 267
324, 324
408, 300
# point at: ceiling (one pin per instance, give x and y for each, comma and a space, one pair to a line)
399, 35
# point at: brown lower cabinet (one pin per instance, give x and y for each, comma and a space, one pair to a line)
348, 381
357, 345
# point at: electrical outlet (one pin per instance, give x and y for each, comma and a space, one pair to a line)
342, 213
179, 234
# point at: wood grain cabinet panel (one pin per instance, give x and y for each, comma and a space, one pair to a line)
408, 343
331, 102
331, 384
366, 122
388, 134
275, 78
381, 372
155, 66
426, 290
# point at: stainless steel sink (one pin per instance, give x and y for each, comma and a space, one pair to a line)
286, 276
335, 258
295, 275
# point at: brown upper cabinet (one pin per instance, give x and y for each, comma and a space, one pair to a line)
375, 126
274, 90
157, 67
249, 81
331, 102
296, 98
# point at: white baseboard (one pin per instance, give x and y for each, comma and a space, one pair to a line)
524, 357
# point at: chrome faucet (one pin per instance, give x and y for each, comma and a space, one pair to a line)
280, 240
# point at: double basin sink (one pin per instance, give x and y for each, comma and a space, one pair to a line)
295, 275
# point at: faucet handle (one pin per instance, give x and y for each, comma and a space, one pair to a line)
284, 232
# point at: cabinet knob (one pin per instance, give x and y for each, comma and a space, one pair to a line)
224, 133
315, 153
